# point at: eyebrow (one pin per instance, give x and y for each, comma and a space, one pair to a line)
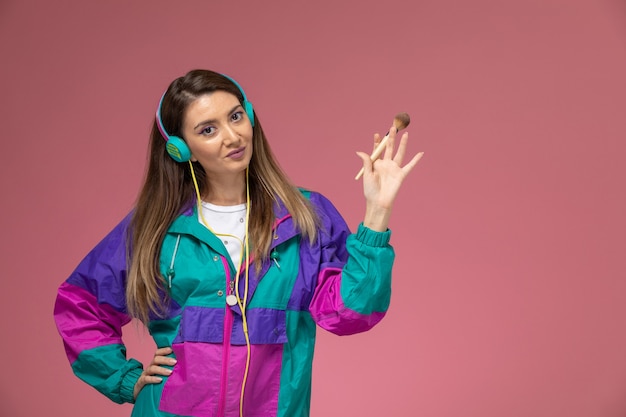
206, 122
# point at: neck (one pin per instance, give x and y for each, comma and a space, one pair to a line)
226, 192
222, 200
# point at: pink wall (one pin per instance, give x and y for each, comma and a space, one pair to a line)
510, 291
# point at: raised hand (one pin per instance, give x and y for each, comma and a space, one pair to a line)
382, 179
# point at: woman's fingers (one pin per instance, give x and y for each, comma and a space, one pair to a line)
151, 379
388, 151
399, 156
401, 152
367, 162
157, 370
153, 372
377, 139
160, 359
385, 159
411, 164
163, 351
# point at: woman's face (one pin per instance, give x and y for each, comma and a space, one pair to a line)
219, 134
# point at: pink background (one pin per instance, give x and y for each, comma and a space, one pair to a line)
509, 291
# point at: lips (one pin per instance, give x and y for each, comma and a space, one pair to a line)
237, 153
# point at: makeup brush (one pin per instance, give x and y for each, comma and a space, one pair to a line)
400, 122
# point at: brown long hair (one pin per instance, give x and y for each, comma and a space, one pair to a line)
168, 189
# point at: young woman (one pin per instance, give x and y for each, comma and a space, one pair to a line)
229, 265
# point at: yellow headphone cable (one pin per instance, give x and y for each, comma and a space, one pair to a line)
242, 303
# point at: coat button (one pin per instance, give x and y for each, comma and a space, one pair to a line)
220, 293
215, 258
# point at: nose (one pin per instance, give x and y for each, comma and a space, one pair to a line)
231, 136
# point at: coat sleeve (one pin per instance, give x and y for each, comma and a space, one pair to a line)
90, 311
354, 282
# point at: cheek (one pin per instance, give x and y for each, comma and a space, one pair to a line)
251, 146
201, 152
249, 134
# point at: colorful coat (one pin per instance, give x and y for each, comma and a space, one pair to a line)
341, 283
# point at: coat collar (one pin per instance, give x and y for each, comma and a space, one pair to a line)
187, 223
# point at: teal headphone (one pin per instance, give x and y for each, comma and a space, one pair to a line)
176, 146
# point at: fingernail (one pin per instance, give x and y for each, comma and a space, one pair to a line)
173, 361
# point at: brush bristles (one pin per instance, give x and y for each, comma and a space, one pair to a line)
401, 121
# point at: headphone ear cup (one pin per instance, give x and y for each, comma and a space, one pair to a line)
249, 111
178, 149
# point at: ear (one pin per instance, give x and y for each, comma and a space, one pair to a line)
178, 149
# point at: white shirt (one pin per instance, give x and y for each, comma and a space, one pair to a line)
226, 222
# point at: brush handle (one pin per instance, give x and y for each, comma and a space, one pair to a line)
377, 151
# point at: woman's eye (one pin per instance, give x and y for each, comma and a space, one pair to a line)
209, 130
237, 116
